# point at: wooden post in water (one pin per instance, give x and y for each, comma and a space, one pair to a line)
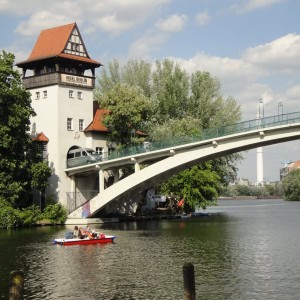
189, 282
16, 285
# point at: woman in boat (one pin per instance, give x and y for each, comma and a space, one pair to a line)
76, 233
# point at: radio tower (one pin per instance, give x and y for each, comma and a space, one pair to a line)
259, 153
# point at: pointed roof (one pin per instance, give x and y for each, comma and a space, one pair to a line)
97, 124
59, 42
40, 137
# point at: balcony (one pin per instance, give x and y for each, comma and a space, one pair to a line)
55, 78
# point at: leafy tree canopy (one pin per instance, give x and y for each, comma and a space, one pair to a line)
130, 110
178, 104
15, 143
291, 186
198, 185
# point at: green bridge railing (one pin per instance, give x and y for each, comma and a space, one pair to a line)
207, 134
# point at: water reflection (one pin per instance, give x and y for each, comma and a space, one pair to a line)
244, 250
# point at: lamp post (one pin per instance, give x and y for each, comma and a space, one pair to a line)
261, 108
280, 108
259, 150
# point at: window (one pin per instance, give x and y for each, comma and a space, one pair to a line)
75, 47
99, 150
79, 95
37, 95
44, 94
81, 124
71, 94
70, 124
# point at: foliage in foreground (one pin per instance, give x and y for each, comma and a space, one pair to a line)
15, 142
291, 186
197, 185
13, 218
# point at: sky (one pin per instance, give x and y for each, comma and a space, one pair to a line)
251, 46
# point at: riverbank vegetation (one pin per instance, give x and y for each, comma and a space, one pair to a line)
21, 166
291, 186
234, 191
11, 217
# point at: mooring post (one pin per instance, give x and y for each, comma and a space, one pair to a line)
189, 282
16, 285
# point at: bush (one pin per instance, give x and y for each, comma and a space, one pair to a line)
12, 218
30, 215
55, 213
9, 217
291, 186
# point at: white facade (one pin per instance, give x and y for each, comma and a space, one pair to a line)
56, 106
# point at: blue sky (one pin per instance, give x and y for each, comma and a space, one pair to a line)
251, 46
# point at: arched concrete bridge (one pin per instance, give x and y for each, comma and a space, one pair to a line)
168, 161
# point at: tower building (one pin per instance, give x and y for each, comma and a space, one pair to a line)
60, 75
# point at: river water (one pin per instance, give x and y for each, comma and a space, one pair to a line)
245, 249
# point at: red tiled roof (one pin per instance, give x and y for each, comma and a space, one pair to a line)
40, 137
294, 165
97, 124
52, 42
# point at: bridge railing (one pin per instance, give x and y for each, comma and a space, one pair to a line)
210, 133
206, 134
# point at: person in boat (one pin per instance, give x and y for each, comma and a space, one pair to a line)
86, 233
76, 232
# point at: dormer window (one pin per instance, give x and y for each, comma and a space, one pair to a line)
75, 47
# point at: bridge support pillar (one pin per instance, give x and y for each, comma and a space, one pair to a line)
73, 184
101, 181
137, 166
116, 175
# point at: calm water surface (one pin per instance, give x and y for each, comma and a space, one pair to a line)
246, 249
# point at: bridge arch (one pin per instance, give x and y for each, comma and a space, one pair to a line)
176, 159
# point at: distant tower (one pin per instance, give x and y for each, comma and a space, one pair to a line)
259, 153
60, 75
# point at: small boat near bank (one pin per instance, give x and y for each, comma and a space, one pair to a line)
103, 239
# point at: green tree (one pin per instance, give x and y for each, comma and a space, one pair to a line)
15, 143
135, 73
291, 186
40, 173
182, 106
130, 111
198, 186
170, 89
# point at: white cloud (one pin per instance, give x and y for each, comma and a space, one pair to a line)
282, 54
203, 18
293, 92
113, 17
145, 45
251, 5
49, 20
174, 23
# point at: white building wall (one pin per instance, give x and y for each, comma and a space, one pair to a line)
51, 119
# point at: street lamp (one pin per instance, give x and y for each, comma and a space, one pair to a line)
280, 108
261, 108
